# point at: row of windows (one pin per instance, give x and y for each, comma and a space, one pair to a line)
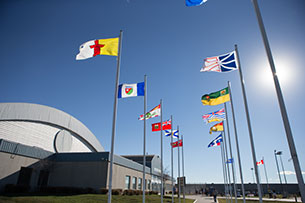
136, 185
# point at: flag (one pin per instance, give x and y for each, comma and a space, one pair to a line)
222, 63
98, 47
260, 162
157, 126
216, 127
177, 144
230, 161
131, 90
216, 141
174, 134
194, 2
216, 98
214, 116
152, 113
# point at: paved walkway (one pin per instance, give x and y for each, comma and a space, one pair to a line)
200, 198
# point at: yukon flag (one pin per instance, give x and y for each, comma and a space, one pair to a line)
98, 47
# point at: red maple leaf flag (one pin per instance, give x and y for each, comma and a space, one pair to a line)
260, 162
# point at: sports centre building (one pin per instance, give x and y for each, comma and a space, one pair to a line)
41, 146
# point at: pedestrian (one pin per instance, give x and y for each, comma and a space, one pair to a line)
215, 195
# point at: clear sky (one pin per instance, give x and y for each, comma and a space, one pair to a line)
167, 41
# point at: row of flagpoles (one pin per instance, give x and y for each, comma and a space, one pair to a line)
223, 63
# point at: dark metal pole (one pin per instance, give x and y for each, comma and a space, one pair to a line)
268, 188
178, 179
144, 139
224, 170
280, 97
172, 160
278, 170
161, 142
183, 168
249, 125
237, 145
114, 117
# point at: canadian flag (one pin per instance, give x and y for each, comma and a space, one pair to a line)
260, 162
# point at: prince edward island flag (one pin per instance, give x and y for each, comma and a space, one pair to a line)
131, 90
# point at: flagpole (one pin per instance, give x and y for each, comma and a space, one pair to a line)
224, 170
226, 159
161, 142
114, 116
172, 160
266, 174
144, 139
249, 126
280, 98
183, 168
230, 148
237, 145
178, 179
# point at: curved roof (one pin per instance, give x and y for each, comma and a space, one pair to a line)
48, 115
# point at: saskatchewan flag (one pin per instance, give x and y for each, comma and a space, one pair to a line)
216, 98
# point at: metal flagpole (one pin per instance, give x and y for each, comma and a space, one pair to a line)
172, 160
226, 159
289, 136
144, 139
249, 126
224, 170
237, 145
266, 174
278, 170
230, 148
178, 179
114, 116
183, 168
161, 137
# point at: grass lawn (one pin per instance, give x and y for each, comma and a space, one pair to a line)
89, 198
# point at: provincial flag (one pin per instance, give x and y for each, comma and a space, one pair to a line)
157, 126
216, 141
216, 127
174, 134
131, 90
214, 116
260, 162
194, 2
152, 113
98, 47
216, 98
229, 161
178, 143
222, 63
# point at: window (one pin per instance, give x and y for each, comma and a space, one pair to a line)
127, 182
149, 182
145, 184
140, 184
134, 183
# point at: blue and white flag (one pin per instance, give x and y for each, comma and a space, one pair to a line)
194, 2
131, 90
168, 133
216, 141
222, 63
230, 161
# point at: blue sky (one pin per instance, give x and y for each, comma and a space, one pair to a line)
167, 41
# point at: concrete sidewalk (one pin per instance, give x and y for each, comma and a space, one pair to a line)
200, 198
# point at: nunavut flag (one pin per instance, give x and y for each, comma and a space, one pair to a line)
98, 47
216, 98
217, 127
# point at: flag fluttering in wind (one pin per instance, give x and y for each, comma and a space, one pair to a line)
216, 141
216, 98
152, 113
177, 144
217, 127
214, 116
169, 133
260, 162
230, 161
222, 63
98, 47
131, 90
167, 125
194, 2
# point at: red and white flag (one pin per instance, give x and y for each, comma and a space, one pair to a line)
167, 125
260, 162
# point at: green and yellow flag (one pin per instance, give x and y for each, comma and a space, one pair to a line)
216, 98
